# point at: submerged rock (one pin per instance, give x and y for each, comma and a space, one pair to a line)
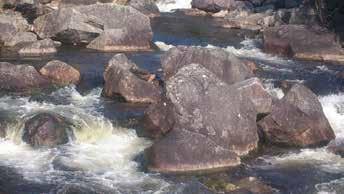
223, 64
20, 78
60, 73
303, 42
297, 120
46, 130
211, 118
125, 79
130, 30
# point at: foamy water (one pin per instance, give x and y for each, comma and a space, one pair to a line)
170, 5
102, 154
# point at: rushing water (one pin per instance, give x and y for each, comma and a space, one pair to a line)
170, 5
106, 154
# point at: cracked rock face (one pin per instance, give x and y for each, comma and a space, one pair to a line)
214, 126
297, 120
224, 65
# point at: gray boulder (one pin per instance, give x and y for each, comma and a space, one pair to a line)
223, 64
297, 120
125, 79
214, 125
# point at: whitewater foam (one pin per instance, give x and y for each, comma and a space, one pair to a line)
102, 154
170, 5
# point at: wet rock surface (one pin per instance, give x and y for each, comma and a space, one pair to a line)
297, 120
46, 130
125, 79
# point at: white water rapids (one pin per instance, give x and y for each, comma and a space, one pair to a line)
102, 154
170, 5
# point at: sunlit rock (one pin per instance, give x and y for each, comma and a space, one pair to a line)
60, 73
297, 120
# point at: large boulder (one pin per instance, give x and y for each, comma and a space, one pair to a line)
214, 124
303, 42
60, 73
223, 64
297, 120
125, 79
46, 130
82, 24
20, 78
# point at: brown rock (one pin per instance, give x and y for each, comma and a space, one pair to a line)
60, 73
125, 79
303, 43
297, 120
